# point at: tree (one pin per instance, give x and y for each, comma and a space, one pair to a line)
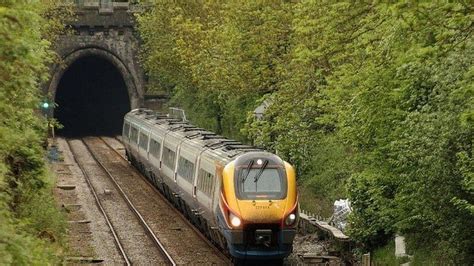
373, 101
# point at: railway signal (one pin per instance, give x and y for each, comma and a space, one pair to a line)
46, 106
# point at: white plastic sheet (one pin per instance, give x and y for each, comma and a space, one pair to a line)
342, 208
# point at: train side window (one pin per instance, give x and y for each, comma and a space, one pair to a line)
211, 185
126, 130
185, 169
134, 134
155, 148
168, 157
205, 182
143, 141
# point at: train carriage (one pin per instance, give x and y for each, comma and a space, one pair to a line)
243, 198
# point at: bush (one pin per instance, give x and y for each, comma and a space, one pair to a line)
31, 227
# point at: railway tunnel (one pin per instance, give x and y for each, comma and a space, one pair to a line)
92, 98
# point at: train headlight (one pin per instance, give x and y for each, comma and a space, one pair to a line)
234, 220
290, 219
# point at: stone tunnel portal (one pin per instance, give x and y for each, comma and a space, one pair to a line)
92, 98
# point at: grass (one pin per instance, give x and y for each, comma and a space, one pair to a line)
421, 256
33, 234
385, 255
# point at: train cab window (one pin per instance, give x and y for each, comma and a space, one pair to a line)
134, 134
260, 178
155, 147
168, 157
205, 182
186, 169
126, 130
143, 141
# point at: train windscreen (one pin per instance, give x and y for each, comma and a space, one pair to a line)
260, 178
269, 181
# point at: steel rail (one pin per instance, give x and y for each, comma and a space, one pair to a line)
118, 244
144, 224
196, 230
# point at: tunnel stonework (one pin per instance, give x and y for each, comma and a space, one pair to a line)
107, 32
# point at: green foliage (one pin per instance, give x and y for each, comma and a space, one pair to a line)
31, 227
373, 101
215, 58
385, 255
405, 124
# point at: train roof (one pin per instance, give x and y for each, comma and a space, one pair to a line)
219, 146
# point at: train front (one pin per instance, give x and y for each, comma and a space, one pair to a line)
258, 206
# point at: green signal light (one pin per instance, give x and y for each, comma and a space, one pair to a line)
45, 105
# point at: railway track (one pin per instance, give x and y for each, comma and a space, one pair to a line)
181, 239
199, 233
125, 247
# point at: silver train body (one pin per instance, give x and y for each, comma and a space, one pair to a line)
186, 164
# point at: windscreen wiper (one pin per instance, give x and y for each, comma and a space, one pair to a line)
261, 171
248, 171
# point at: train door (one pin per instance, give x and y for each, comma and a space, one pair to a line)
205, 184
185, 170
216, 193
125, 132
154, 152
196, 174
143, 143
168, 158
143, 139
133, 144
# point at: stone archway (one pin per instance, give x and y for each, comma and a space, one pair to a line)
108, 34
131, 82
93, 90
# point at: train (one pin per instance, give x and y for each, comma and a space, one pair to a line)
244, 199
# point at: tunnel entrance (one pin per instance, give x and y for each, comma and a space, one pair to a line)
92, 99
